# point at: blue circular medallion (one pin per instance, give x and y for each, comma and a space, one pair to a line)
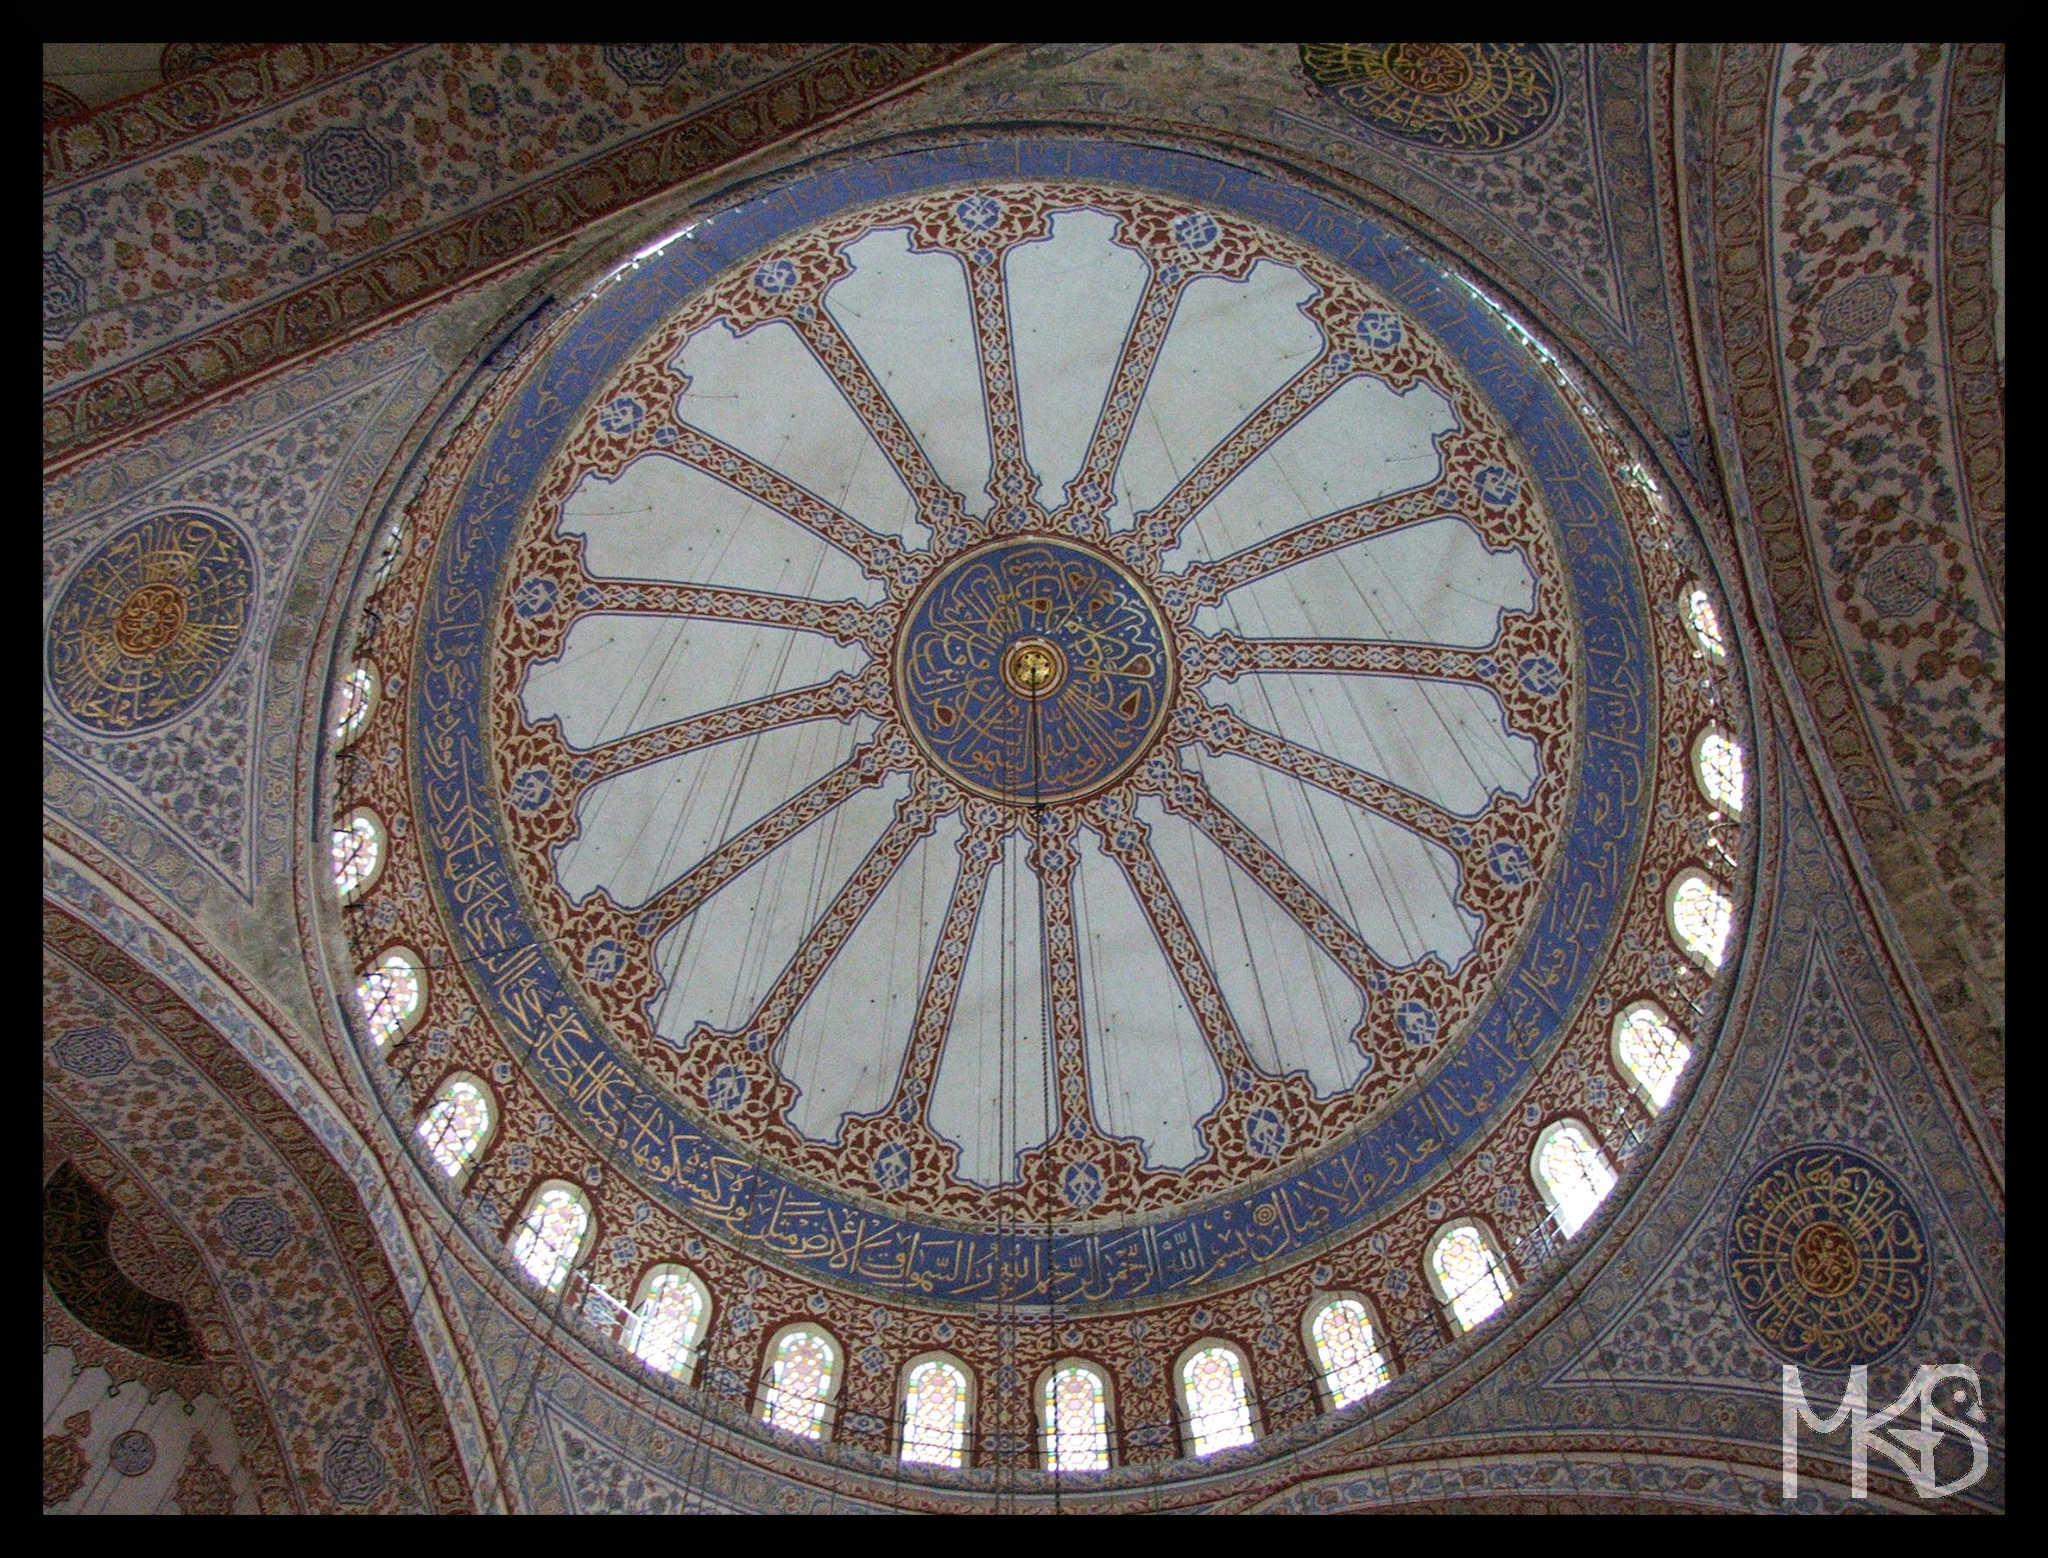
150, 622
1827, 1257
1034, 670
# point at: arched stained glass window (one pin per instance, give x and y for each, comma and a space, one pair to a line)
669, 1320
1702, 915
1468, 1273
457, 1125
391, 994
358, 853
936, 1403
1650, 1052
1572, 1173
1347, 1351
1703, 619
355, 702
551, 1234
801, 1378
1718, 765
1073, 1406
1216, 1398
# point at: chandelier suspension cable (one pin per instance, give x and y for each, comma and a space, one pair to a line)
1045, 1086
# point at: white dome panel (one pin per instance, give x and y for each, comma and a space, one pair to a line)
909, 317
619, 674
1231, 345
1396, 889
718, 964
662, 519
1072, 301
766, 395
639, 830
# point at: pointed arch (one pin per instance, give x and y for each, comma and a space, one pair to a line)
671, 1312
1703, 622
354, 702
1720, 770
457, 1125
1701, 915
356, 849
392, 994
1649, 1052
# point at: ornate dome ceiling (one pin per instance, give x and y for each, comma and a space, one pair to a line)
1048, 729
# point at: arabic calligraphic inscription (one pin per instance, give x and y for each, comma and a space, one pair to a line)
149, 622
1827, 1258
1034, 670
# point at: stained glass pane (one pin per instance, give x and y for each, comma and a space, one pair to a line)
1471, 1275
1651, 1051
935, 1415
389, 994
669, 1321
1219, 1405
799, 1383
1705, 623
357, 847
1076, 1410
455, 1127
1723, 778
352, 706
1575, 1175
1347, 1351
1701, 917
548, 1240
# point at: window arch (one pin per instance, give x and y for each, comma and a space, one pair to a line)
1721, 770
1215, 1397
1703, 621
935, 1405
1467, 1271
458, 1124
1650, 1052
668, 1320
1702, 916
1074, 1407
357, 849
1572, 1172
552, 1233
392, 994
800, 1380
355, 701
1344, 1341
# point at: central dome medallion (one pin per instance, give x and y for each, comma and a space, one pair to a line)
1025, 687
1034, 671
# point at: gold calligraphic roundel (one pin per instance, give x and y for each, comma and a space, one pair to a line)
1828, 1259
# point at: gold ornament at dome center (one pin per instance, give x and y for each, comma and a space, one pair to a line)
1033, 667
149, 619
1824, 1260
